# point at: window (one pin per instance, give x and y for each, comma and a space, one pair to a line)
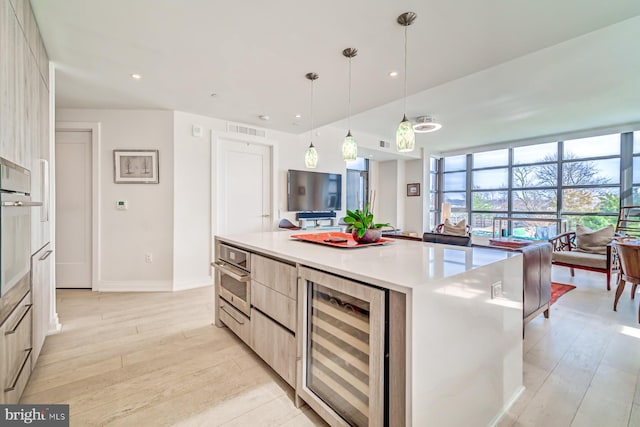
579, 180
357, 183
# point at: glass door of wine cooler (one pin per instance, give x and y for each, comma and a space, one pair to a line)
343, 351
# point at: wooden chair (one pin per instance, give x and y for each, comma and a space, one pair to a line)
629, 259
564, 254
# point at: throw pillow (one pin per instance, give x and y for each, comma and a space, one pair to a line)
459, 229
593, 241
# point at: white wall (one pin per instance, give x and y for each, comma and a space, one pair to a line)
147, 226
414, 205
387, 194
192, 231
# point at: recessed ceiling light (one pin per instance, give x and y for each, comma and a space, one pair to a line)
298, 116
393, 74
136, 76
264, 117
213, 95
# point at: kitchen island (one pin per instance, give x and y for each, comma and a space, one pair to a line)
406, 333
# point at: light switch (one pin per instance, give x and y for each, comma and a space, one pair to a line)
122, 205
196, 131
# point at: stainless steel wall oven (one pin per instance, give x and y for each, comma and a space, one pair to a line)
15, 225
233, 270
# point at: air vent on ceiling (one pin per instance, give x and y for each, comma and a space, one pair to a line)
384, 144
246, 130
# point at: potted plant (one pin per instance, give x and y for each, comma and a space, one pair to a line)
362, 227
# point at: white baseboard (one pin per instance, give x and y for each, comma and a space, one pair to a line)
184, 284
135, 286
54, 325
507, 406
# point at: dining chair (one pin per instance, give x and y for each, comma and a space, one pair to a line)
629, 258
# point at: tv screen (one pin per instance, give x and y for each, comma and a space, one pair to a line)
314, 191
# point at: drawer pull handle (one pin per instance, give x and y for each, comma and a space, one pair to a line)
15, 328
45, 255
224, 308
15, 380
234, 273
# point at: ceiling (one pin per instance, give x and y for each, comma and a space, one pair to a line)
490, 71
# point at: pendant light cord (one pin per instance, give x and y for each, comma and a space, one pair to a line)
349, 105
405, 70
311, 111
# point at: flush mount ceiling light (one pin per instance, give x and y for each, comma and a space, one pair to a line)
424, 124
311, 156
405, 137
349, 146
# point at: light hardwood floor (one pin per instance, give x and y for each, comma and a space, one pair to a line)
139, 359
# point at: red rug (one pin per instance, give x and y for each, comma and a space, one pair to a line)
559, 289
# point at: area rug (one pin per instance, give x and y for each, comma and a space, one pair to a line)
559, 289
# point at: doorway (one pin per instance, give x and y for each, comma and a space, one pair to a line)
73, 208
244, 187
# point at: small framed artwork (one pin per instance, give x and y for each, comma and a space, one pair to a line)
413, 189
135, 167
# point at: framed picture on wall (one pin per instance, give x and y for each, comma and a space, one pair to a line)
135, 167
413, 189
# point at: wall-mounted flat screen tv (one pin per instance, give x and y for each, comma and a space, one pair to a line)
314, 191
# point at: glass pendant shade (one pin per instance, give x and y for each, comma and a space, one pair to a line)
405, 136
311, 157
349, 148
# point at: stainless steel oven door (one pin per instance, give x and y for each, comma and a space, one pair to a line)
15, 239
233, 285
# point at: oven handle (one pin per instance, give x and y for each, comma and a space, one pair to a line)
225, 269
20, 204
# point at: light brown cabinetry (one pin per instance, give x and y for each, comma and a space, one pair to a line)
40, 274
15, 352
275, 344
235, 320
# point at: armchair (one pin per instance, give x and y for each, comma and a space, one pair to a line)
565, 254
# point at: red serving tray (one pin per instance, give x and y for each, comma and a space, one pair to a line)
349, 244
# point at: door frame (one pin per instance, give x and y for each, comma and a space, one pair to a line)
94, 128
216, 137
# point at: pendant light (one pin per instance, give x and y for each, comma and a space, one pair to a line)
311, 157
405, 137
349, 146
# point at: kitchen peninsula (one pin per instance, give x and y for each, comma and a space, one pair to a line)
406, 333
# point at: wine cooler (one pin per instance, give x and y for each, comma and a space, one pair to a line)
343, 349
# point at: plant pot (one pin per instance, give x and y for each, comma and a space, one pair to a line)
372, 235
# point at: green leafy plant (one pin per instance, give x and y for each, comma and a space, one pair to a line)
361, 221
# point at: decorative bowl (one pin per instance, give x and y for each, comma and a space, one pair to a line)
372, 235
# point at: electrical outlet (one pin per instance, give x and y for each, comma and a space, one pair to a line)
148, 258
496, 290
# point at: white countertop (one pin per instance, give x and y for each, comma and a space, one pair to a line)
400, 265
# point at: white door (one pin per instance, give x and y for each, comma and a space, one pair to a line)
73, 209
244, 183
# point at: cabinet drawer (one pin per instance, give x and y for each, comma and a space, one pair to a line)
15, 337
274, 274
235, 320
14, 384
275, 345
280, 307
